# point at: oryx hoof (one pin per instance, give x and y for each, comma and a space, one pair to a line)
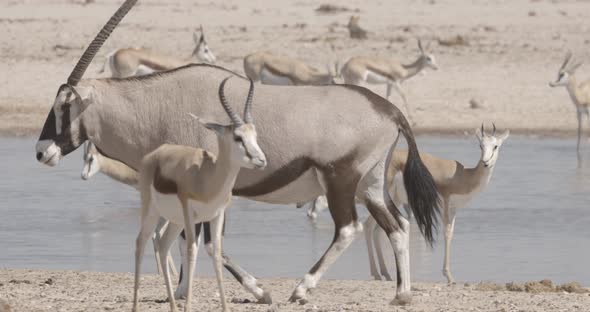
402, 299
266, 298
387, 277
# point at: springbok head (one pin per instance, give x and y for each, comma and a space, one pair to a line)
91, 165
241, 133
490, 145
202, 51
427, 59
64, 131
566, 70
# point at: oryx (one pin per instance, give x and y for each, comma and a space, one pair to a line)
334, 140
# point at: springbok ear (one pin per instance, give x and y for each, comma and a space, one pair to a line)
217, 128
504, 136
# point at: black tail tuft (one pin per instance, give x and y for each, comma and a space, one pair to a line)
421, 189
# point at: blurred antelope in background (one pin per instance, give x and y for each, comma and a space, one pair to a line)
129, 62
386, 70
354, 29
275, 69
579, 93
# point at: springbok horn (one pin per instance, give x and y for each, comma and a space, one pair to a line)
494, 131
202, 33
248, 106
568, 57
98, 41
482, 129
420, 46
236, 120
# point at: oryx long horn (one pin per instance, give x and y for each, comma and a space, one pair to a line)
420, 46
236, 120
494, 131
568, 57
98, 41
482, 129
248, 106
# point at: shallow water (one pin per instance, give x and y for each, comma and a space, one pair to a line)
532, 222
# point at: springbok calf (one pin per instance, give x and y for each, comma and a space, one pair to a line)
386, 70
275, 69
456, 185
130, 62
336, 140
95, 162
579, 93
189, 185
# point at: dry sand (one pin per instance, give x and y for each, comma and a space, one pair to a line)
36, 290
511, 50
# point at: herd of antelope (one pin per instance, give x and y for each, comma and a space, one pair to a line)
172, 132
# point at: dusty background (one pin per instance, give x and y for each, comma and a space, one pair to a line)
26, 290
513, 48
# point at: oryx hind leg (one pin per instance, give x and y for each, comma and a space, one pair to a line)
340, 191
397, 228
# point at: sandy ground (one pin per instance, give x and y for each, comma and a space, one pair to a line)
513, 48
35, 290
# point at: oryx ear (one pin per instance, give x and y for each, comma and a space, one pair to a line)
196, 37
217, 128
504, 136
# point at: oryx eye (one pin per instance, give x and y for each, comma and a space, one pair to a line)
495, 147
238, 139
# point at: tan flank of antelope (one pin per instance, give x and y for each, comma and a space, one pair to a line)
130, 62
275, 69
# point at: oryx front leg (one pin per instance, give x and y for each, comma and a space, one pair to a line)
449, 220
341, 202
217, 231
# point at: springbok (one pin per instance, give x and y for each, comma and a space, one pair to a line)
386, 70
354, 29
190, 185
579, 93
335, 140
456, 185
130, 62
95, 162
275, 69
